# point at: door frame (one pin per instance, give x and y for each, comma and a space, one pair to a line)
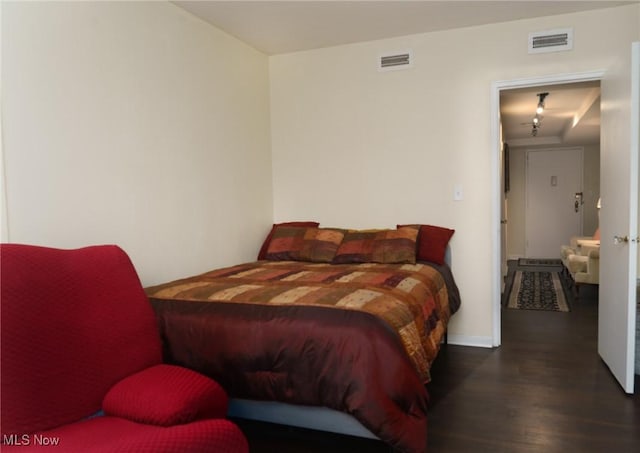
496, 88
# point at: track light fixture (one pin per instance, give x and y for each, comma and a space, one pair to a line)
537, 120
540, 108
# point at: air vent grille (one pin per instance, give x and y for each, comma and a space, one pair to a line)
551, 41
395, 60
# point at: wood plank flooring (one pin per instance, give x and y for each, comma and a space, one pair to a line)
544, 390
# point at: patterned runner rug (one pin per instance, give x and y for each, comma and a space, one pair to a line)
537, 290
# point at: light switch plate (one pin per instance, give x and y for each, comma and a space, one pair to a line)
457, 192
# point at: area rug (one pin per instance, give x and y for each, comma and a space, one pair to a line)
537, 290
538, 262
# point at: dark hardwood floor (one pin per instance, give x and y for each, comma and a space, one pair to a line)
544, 390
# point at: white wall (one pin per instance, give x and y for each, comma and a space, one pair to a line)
517, 196
138, 124
3, 193
358, 148
135, 124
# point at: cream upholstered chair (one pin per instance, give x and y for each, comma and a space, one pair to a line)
581, 259
572, 249
578, 245
585, 267
590, 274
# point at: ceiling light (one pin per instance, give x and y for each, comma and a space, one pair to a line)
534, 130
540, 108
537, 119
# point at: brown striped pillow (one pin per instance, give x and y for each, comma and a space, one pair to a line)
304, 244
321, 244
265, 245
378, 246
286, 243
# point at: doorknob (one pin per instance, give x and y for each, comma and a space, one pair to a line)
620, 239
579, 201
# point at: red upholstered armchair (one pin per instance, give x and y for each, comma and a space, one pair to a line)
81, 362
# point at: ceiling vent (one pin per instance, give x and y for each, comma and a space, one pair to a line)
395, 60
551, 40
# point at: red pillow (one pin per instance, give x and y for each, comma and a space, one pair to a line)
166, 395
432, 243
265, 245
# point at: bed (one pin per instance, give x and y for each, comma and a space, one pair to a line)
354, 337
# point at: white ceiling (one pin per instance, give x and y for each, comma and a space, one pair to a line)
275, 27
571, 115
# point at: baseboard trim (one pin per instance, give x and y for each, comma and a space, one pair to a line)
468, 340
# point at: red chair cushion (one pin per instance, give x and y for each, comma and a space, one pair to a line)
73, 323
111, 434
166, 395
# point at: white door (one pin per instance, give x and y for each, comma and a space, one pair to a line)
620, 110
553, 178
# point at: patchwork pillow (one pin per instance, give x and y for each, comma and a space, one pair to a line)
432, 242
378, 246
304, 244
265, 244
286, 243
321, 244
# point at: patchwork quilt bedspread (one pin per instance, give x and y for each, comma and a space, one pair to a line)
359, 338
411, 298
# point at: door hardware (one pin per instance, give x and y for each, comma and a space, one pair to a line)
579, 201
621, 239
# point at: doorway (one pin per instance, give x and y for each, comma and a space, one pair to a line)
620, 130
501, 199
